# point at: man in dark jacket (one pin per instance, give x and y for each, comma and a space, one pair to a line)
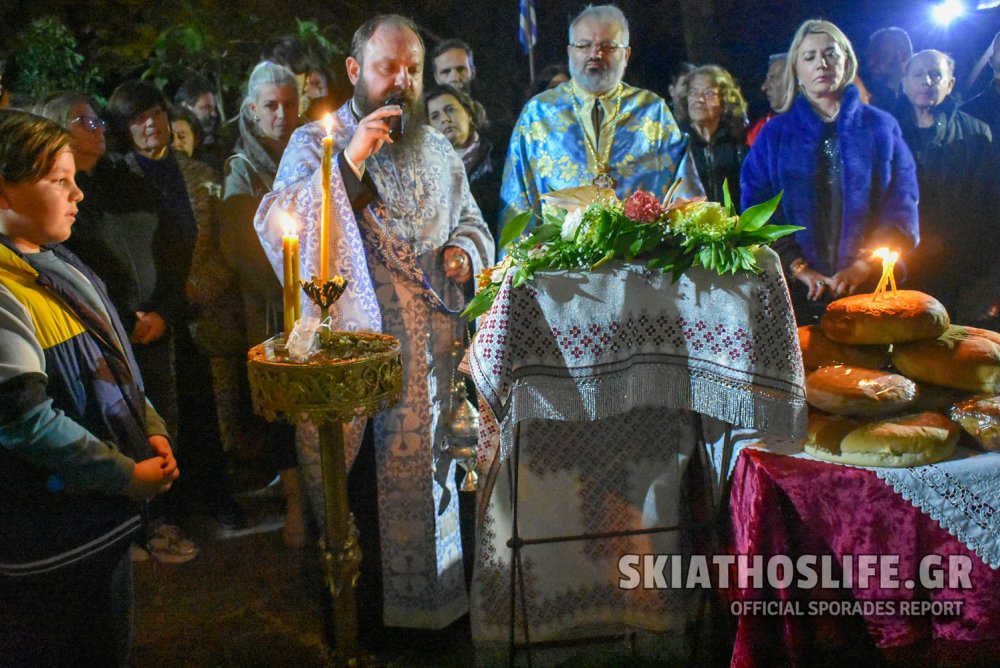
957, 190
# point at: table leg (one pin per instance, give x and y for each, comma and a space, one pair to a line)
341, 554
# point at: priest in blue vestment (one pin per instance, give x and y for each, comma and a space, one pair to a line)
595, 129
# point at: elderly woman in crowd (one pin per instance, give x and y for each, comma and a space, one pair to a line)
847, 175
211, 321
452, 112
712, 110
268, 116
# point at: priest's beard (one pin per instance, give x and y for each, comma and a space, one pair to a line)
601, 78
413, 115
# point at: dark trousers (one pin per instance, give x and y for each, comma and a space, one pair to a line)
77, 616
199, 449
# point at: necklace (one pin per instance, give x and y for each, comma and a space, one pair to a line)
602, 164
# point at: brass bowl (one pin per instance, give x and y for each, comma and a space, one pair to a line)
357, 374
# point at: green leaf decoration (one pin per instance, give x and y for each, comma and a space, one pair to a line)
695, 234
514, 228
755, 217
482, 302
727, 199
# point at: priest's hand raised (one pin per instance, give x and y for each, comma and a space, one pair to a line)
371, 133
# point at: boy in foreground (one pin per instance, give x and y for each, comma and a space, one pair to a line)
80, 447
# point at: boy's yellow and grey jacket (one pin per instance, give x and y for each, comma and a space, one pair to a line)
73, 415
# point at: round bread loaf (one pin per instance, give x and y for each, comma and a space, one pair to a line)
906, 315
851, 390
825, 432
818, 350
909, 440
964, 358
980, 418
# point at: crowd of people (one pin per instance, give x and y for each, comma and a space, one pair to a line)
169, 272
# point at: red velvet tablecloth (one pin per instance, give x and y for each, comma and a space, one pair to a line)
790, 506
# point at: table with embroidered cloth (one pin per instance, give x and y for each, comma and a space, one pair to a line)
598, 375
944, 513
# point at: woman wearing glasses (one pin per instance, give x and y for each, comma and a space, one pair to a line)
845, 172
75, 112
712, 110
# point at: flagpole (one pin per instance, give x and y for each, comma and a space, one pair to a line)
528, 33
531, 63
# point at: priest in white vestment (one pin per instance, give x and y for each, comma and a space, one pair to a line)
408, 236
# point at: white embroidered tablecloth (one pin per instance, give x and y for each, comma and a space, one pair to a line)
599, 370
961, 494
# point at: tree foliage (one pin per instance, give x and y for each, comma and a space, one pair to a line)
47, 59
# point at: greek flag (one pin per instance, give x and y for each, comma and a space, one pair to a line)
528, 34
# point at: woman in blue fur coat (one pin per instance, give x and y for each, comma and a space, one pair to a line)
846, 174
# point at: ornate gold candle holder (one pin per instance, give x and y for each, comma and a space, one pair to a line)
324, 293
356, 374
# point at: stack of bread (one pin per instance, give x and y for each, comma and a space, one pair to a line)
891, 382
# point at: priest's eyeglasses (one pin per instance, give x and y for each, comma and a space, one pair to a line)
604, 48
89, 123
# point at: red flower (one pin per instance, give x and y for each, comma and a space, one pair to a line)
642, 206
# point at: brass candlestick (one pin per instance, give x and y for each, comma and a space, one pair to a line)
357, 374
324, 293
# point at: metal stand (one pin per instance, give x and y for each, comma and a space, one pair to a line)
362, 377
516, 543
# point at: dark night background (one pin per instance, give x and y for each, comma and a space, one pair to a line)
747, 32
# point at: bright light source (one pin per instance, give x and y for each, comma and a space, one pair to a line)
947, 11
988, 4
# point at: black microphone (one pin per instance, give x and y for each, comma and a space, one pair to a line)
396, 125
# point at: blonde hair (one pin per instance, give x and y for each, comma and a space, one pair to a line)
816, 27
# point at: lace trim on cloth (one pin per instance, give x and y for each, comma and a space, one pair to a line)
960, 495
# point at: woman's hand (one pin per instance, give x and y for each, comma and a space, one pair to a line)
846, 281
815, 282
457, 265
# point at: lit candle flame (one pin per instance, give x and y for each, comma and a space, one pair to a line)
291, 302
889, 259
289, 227
328, 124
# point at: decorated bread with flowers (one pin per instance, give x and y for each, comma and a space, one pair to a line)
964, 358
890, 317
